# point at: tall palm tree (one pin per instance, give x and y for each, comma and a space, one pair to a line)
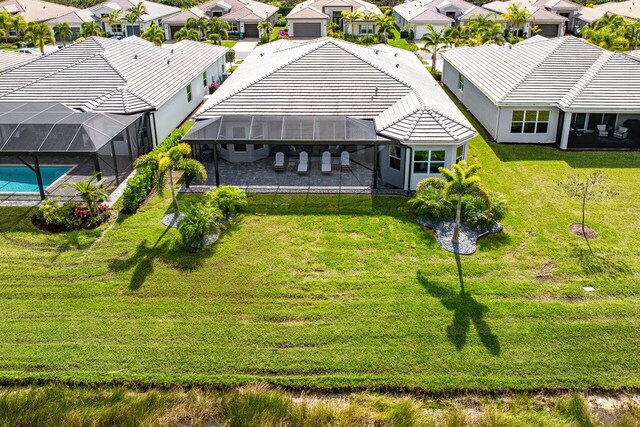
518, 17
113, 18
203, 25
20, 25
154, 34
138, 11
385, 24
165, 163
88, 29
217, 26
185, 33
462, 179
63, 32
91, 192
265, 27
493, 34
350, 18
39, 34
435, 41
6, 24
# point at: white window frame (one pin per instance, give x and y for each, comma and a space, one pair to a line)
189, 93
234, 27
460, 156
393, 156
429, 161
536, 121
368, 27
461, 82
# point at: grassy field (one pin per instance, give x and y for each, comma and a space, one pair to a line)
338, 292
260, 406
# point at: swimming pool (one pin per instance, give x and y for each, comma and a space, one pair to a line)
21, 179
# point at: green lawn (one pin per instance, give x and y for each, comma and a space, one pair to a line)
229, 43
405, 44
338, 292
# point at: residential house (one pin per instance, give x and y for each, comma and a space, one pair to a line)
156, 13
311, 18
549, 21
374, 106
33, 11
243, 16
629, 9
561, 91
437, 13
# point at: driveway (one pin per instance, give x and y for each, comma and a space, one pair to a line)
244, 47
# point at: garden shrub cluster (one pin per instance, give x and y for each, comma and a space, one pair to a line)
141, 183
69, 215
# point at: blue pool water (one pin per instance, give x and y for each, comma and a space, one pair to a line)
21, 179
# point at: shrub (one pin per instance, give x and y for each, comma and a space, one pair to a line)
198, 222
431, 203
264, 38
141, 183
430, 182
368, 39
483, 212
230, 56
229, 199
53, 213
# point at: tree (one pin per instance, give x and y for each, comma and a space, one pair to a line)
434, 42
39, 34
20, 25
138, 11
6, 24
585, 189
633, 34
154, 34
185, 33
462, 179
493, 34
385, 24
91, 192
89, 29
229, 199
518, 17
350, 18
63, 32
215, 39
217, 26
165, 163
265, 27
199, 221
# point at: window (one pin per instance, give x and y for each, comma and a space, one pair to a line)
428, 161
188, 93
257, 146
459, 153
240, 148
204, 79
529, 121
216, 13
366, 28
460, 82
233, 27
395, 157
224, 146
116, 28
451, 14
596, 119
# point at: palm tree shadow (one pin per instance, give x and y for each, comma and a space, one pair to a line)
466, 310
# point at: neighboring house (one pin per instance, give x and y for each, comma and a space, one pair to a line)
561, 91
122, 77
311, 17
243, 16
438, 13
9, 59
33, 11
156, 13
327, 95
550, 22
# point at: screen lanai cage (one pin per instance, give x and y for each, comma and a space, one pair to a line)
37, 134
250, 139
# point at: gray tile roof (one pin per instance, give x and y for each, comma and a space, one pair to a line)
329, 77
314, 8
117, 76
9, 59
566, 71
426, 11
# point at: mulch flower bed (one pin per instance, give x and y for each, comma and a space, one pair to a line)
467, 243
82, 224
589, 233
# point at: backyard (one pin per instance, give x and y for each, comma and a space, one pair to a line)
338, 292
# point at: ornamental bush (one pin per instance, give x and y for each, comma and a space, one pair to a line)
141, 183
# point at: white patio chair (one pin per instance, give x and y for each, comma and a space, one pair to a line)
602, 130
303, 164
326, 162
278, 165
621, 133
345, 162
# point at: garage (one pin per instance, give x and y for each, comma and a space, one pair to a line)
307, 29
548, 30
251, 30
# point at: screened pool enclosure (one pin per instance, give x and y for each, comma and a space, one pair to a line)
33, 134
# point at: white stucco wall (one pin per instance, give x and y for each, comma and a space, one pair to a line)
504, 131
388, 174
421, 29
450, 158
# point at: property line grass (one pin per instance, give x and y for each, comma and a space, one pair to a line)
338, 292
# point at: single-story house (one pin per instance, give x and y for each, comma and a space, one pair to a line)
33, 11
310, 18
376, 103
561, 91
438, 13
243, 16
156, 13
550, 22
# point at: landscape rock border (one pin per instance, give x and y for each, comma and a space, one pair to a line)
468, 241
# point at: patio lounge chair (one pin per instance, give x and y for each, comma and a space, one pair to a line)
326, 162
621, 133
278, 165
602, 130
344, 160
303, 165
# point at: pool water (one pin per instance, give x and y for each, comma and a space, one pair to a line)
21, 179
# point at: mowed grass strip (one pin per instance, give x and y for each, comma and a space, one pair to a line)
338, 292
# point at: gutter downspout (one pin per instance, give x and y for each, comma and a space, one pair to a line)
498, 125
155, 129
409, 152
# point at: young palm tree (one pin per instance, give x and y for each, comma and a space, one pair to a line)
20, 25
88, 29
113, 18
185, 33
199, 221
90, 192
229, 199
385, 24
435, 41
350, 18
215, 39
461, 180
138, 11
633, 34
39, 34
265, 27
63, 32
218, 26
154, 34
6, 24
493, 34
518, 17
164, 164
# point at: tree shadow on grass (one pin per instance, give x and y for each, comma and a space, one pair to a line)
600, 263
466, 310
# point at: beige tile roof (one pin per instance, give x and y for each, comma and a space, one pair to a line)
35, 10
298, 12
427, 11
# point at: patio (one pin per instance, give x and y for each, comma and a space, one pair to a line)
591, 141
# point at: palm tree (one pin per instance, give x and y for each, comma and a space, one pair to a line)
200, 221
215, 39
265, 27
461, 180
138, 11
88, 29
39, 34
20, 25
218, 26
154, 34
518, 17
113, 18
385, 23
229, 199
185, 33
434, 42
203, 25
493, 34
165, 163
91, 192
6, 24
350, 18
633, 34
63, 32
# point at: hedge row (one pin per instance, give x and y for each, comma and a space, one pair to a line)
141, 183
